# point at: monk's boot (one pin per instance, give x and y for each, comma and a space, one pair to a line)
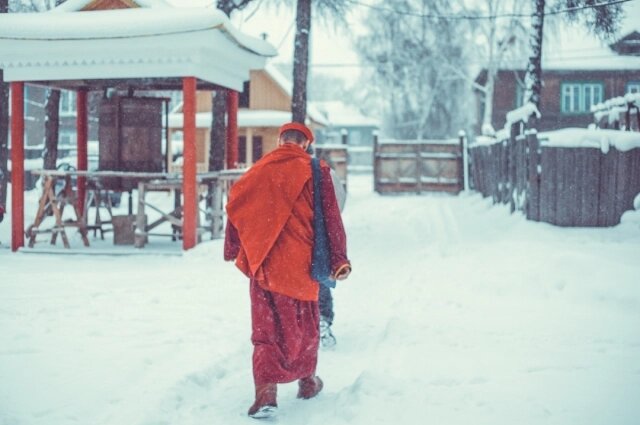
265, 405
309, 387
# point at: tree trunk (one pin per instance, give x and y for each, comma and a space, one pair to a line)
4, 139
487, 118
533, 78
51, 126
301, 61
4, 126
218, 130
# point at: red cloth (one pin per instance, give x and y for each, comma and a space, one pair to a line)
285, 335
271, 207
333, 223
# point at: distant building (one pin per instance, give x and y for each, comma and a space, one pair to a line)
569, 87
347, 123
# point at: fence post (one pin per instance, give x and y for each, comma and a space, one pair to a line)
464, 161
511, 166
533, 183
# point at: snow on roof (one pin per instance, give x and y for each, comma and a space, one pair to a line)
246, 118
78, 5
287, 86
591, 138
119, 23
340, 115
129, 43
569, 47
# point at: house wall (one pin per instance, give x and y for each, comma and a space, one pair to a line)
614, 83
266, 94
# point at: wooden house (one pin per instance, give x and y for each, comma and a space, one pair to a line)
570, 87
264, 105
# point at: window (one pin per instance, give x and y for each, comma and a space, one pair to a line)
243, 98
257, 148
577, 98
633, 87
242, 150
67, 137
67, 103
519, 95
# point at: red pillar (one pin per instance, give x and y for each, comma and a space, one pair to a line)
189, 188
82, 141
17, 165
232, 129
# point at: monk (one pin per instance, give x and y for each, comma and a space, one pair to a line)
270, 236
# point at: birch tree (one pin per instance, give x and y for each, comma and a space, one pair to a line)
500, 38
600, 18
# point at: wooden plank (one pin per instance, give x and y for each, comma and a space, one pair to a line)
547, 189
606, 189
533, 184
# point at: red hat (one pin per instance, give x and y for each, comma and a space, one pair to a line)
298, 127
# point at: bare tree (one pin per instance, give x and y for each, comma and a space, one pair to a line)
501, 37
408, 53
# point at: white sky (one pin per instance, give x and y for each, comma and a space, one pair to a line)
332, 47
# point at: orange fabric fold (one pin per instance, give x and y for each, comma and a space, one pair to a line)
271, 206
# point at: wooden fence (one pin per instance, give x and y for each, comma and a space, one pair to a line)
565, 186
416, 166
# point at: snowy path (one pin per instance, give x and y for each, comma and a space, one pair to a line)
456, 313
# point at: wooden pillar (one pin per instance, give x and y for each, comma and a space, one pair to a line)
17, 165
82, 129
189, 187
249, 147
232, 129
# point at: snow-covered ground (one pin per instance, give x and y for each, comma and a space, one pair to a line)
456, 313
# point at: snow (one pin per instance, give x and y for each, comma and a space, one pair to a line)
139, 22
522, 114
592, 138
129, 43
246, 118
457, 313
341, 115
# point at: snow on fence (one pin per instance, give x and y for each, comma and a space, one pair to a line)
620, 113
570, 177
401, 166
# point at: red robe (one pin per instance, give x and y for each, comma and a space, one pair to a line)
270, 235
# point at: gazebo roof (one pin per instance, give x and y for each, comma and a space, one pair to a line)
165, 43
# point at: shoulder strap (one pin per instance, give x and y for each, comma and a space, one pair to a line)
320, 267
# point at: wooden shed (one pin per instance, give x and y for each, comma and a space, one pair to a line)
135, 44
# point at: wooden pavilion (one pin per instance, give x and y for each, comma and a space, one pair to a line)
97, 45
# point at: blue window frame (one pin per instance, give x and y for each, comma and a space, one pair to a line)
632, 87
578, 97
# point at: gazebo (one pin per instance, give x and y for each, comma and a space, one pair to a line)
137, 44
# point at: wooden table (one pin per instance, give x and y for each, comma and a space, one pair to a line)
212, 185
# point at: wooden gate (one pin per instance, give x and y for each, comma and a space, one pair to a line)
418, 166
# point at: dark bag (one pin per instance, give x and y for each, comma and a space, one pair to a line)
321, 261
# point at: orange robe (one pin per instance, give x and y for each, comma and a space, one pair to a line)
271, 206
